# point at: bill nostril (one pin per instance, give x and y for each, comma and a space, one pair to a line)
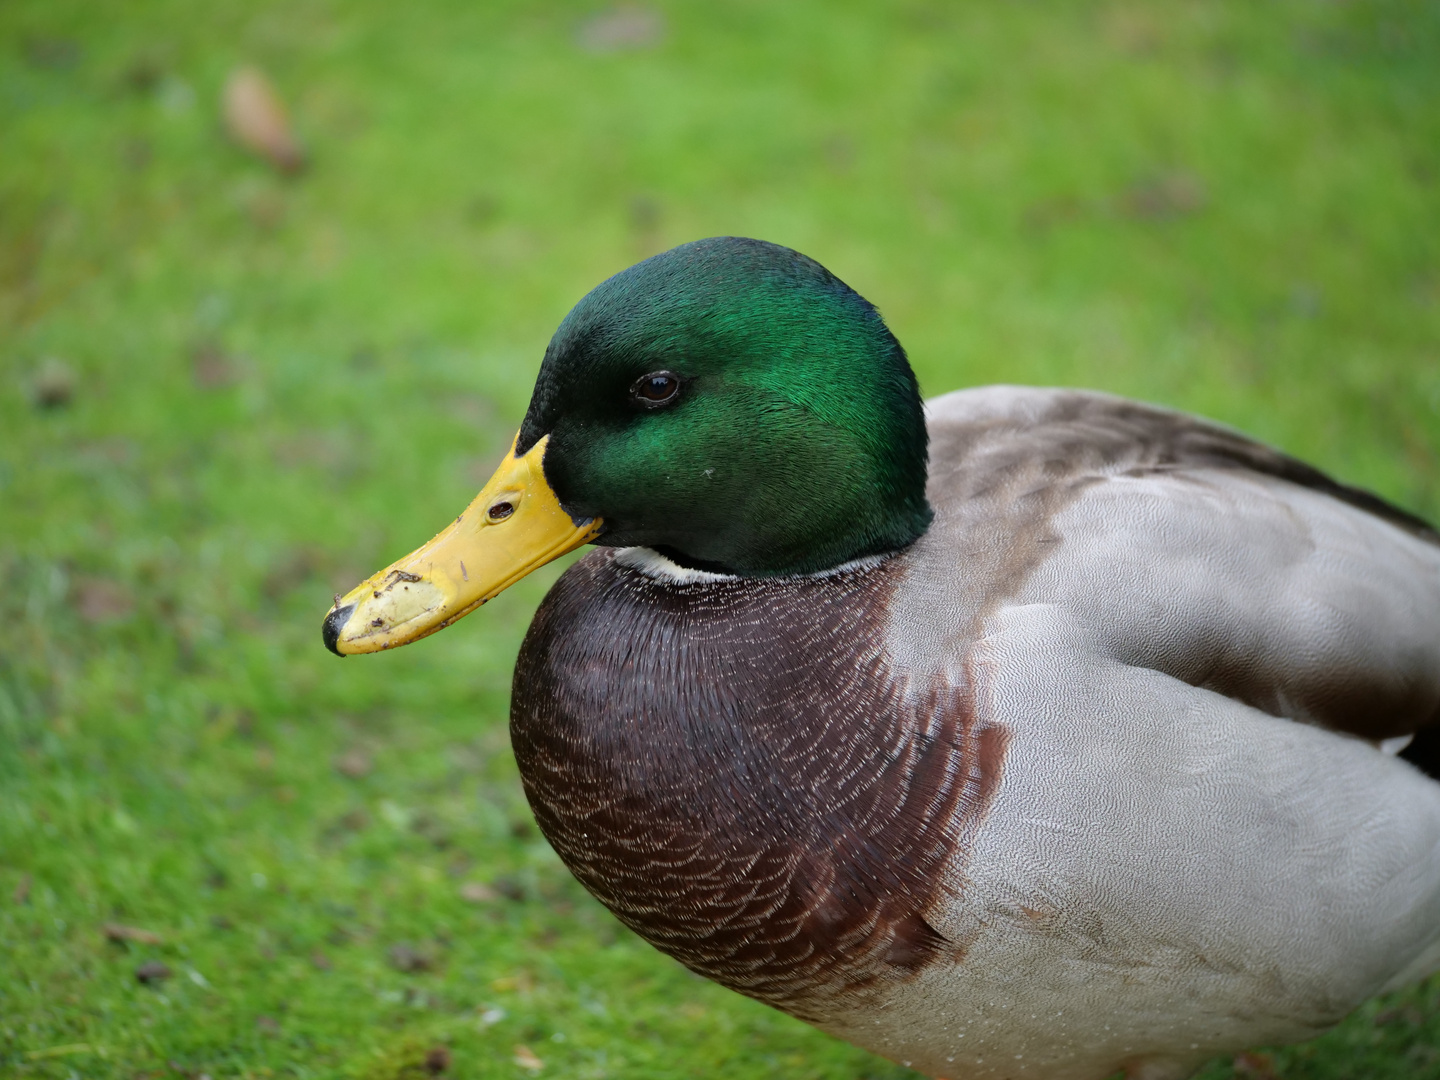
500, 511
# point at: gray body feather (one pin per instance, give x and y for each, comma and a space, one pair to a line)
1197, 844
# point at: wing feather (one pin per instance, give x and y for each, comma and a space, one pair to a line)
1189, 549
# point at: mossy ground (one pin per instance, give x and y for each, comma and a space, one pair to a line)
262, 388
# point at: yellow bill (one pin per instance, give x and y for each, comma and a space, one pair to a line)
513, 526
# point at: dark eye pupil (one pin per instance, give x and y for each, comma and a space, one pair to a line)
657, 387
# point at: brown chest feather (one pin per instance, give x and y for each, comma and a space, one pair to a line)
733, 769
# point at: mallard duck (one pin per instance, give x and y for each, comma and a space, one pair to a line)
1075, 749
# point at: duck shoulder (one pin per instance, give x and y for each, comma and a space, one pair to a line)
1180, 546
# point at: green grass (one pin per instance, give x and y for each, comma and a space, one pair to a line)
280, 385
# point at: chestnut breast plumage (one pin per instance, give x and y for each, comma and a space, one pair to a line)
735, 769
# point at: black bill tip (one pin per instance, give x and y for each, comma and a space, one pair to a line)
334, 623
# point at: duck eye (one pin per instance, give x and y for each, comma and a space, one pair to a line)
657, 388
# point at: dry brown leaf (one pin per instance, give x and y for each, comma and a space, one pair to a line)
526, 1059
352, 820
212, 367
437, 1060
512, 888
152, 971
621, 29
354, 763
411, 960
1165, 196
99, 599
120, 932
53, 384
255, 117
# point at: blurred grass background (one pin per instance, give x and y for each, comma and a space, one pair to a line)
226, 394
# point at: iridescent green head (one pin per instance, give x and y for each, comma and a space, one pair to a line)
730, 403
734, 405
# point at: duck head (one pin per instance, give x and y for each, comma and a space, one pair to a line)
729, 403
